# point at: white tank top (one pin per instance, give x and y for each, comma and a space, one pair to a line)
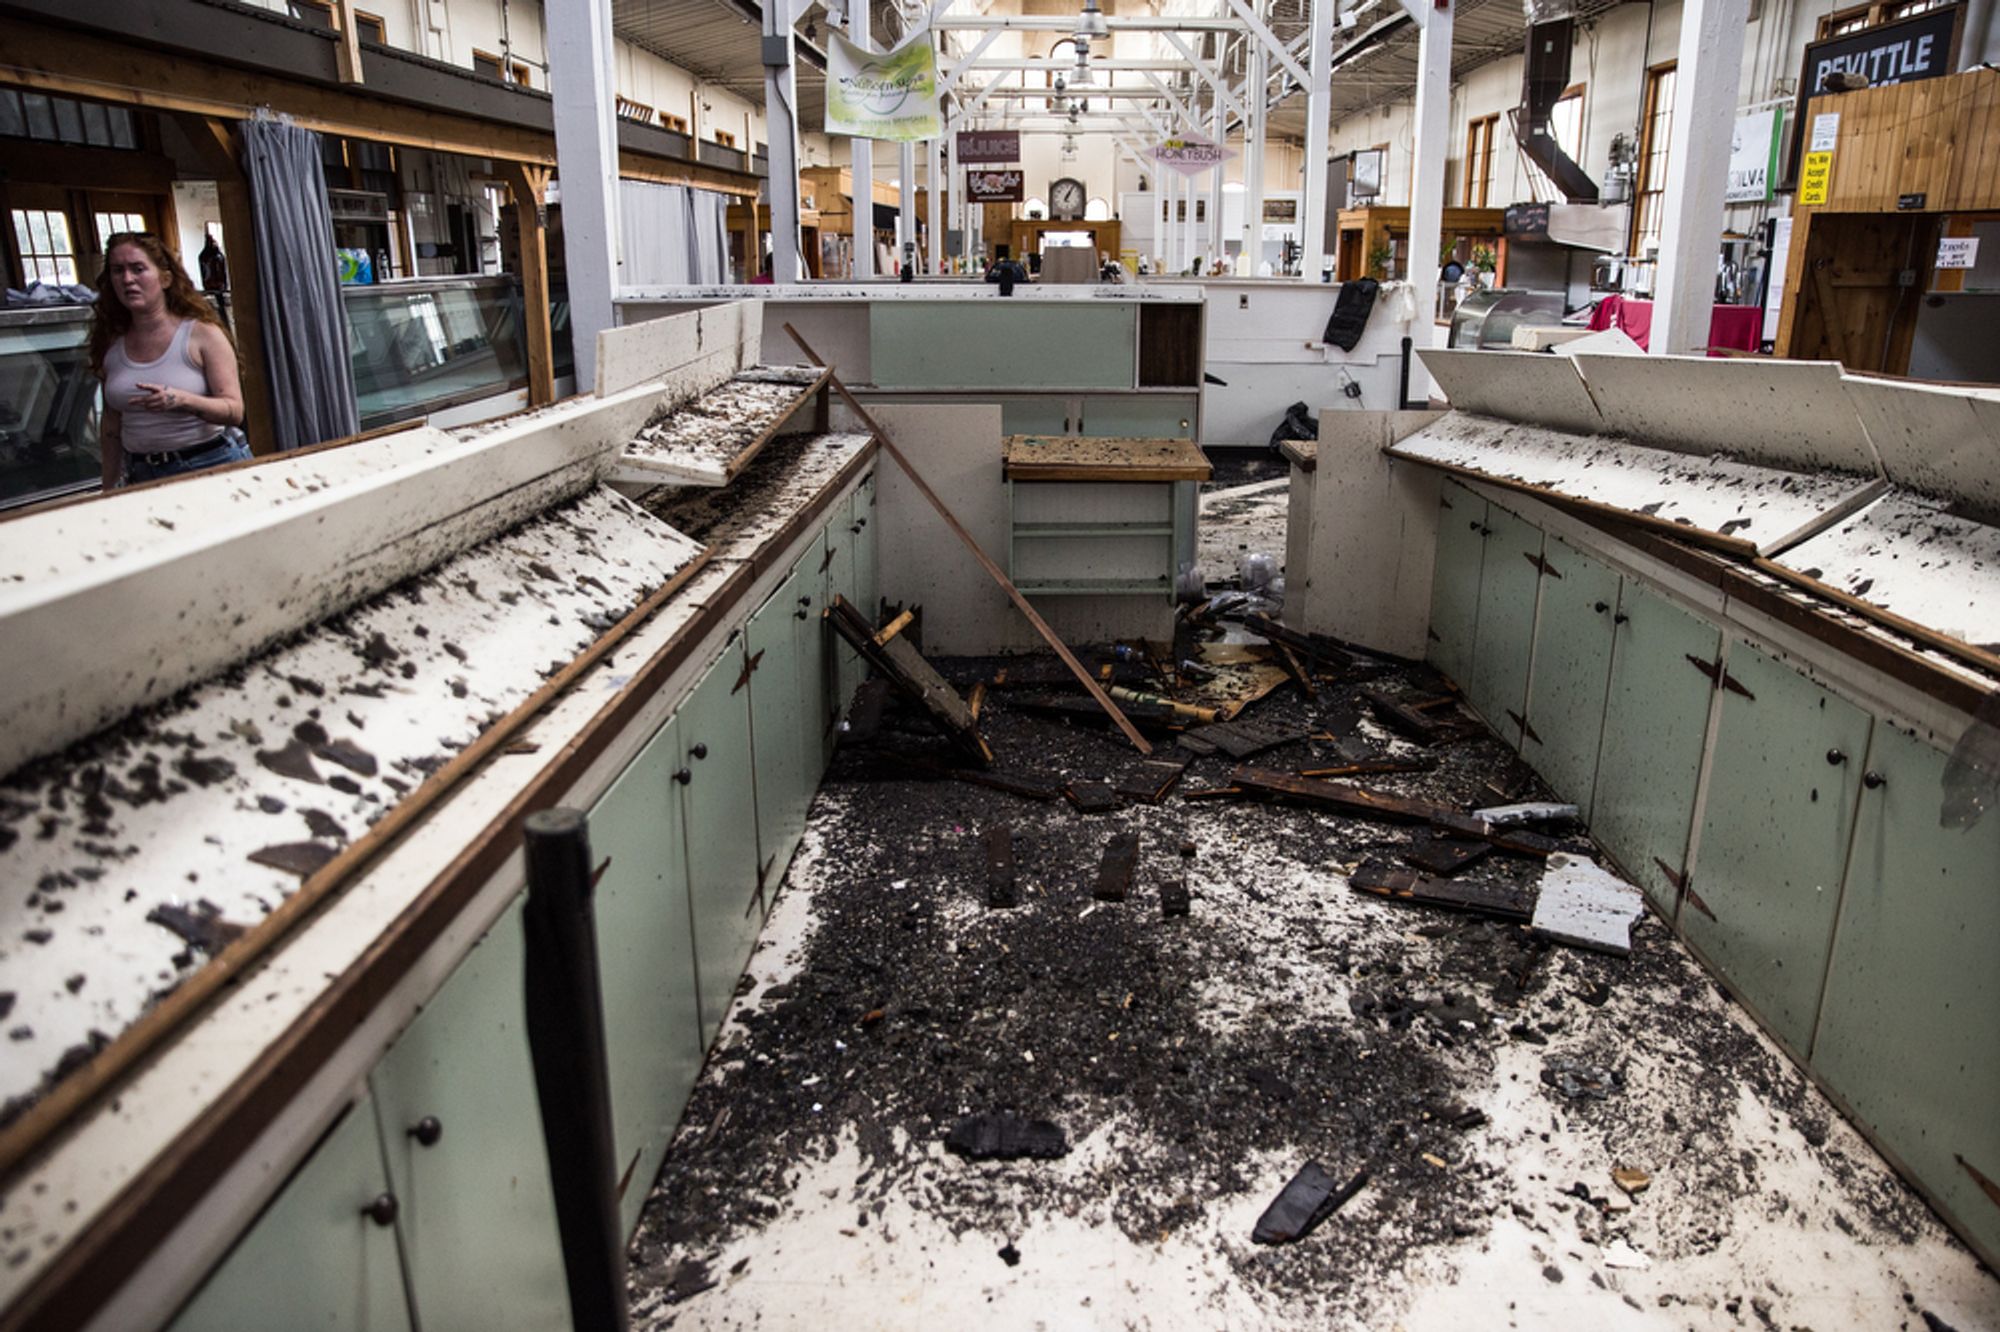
157, 432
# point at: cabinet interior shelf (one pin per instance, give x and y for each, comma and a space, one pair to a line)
1077, 587
1093, 530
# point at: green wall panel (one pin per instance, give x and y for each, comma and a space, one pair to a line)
645, 950
997, 344
478, 1214
1509, 579
1573, 636
1655, 722
717, 803
1909, 1032
1138, 416
1455, 582
1774, 834
312, 1260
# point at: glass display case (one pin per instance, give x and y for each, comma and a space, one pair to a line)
428, 343
48, 404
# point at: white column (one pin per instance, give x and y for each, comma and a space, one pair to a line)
933, 181
1433, 135
1255, 102
1190, 248
1217, 129
1319, 101
1170, 236
587, 165
863, 165
906, 203
955, 179
1705, 86
781, 126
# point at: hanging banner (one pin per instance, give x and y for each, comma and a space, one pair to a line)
989, 145
995, 186
1753, 156
892, 96
1190, 154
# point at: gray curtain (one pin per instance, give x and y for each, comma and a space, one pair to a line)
298, 291
672, 236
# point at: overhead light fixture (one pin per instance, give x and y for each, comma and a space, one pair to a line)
1090, 23
1082, 77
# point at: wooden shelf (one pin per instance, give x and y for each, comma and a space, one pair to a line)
1081, 458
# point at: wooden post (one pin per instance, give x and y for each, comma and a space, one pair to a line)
528, 184
347, 54
215, 142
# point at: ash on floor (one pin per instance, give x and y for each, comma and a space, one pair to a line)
1489, 1083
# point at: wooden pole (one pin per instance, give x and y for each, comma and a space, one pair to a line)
528, 183
215, 142
347, 55
985, 561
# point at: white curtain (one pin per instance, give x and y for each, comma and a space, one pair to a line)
672, 236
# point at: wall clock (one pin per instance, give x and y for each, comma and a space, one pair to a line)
1066, 199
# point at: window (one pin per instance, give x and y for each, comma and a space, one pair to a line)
1566, 128
725, 138
47, 255
371, 28
1859, 17
25, 115
110, 224
1655, 143
1479, 160
488, 65
631, 110
678, 124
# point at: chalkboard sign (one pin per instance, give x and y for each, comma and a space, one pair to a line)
1525, 220
1923, 47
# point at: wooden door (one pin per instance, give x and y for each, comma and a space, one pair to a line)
1859, 284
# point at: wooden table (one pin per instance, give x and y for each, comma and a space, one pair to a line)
1099, 516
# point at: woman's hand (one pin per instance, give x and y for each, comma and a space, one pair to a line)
160, 398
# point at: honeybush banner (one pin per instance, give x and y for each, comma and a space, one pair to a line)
892, 95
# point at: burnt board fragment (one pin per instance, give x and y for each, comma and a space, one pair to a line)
1444, 854
1310, 1197
1381, 878
1152, 779
1093, 797
906, 668
1406, 720
1114, 873
1002, 890
1241, 739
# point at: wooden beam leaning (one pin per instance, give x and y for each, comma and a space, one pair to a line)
998, 574
528, 183
215, 141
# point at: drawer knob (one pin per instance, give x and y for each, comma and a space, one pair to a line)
1836, 757
1602, 607
699, 751
1871, 780
427, 1131
382, 1211
683, 776
1620, 618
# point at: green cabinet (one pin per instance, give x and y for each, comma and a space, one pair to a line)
993, 344
782, 789
1573, 637
478, 1216
645, 954
1136, 416
1765, 883
315, 1259
1461, 550
867, 577
1503, 635
1909, 1031
1655, 724
717, 797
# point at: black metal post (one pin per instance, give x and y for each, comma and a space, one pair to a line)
1403, 395
565, 1016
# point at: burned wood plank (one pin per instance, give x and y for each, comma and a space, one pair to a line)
1028, 785
1380, 878
1080, 709
1001, 888
1445, 855
1298, 670
1342, 799
893, 628
1093, 797
1316, 646
1406, 720
906, 668
1241, 739
1195, 745
1215, 793
1114, 872
1372, 767
1152, 779
1307, 1199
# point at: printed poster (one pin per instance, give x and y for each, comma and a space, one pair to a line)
892, 95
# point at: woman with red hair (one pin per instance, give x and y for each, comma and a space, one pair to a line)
171, 388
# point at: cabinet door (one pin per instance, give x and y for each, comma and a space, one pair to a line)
1775, 825
823, 697
1137, 416
721, 816
867, 577
1655, 723
645, 953
478, 1213
313, 1259
1455, 582
1909, 1032
1037, 416
1573, 630
1509, 579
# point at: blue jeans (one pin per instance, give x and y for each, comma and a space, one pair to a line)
142, 467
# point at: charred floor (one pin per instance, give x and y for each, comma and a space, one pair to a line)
1513, 1130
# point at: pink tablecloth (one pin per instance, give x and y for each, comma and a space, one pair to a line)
1731, 327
